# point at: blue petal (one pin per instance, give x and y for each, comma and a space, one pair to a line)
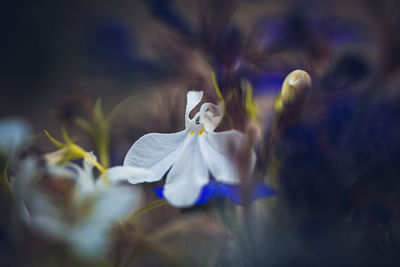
268, 82
158, 190
262, 191
219, 190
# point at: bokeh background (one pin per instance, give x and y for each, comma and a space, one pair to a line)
333, 160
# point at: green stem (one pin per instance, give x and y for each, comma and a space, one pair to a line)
102, 145
6, 184
147, 208
94, 162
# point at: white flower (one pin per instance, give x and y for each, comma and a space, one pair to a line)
96, 204
23, 171
14, 135
21, 184
192, 153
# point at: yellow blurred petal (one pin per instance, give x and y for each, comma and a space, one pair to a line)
54, 141
98, 114
65, 134
278, 104
249, 103
95, 163
217, 90
84, 125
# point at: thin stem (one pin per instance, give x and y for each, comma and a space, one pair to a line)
54, 141
147, 208
118, 108
217, 90
6, 184
103, 155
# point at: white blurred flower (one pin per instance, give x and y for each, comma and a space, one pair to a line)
96, 204
192, 153
14, 135
22, 182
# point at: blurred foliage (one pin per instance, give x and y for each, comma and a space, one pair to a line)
332, 156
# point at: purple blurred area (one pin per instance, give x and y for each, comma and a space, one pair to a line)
110, 49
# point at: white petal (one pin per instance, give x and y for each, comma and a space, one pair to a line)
227, 155
46, 217
14, 134
22, 181
89, 240
87, 164
156, 152
193, 99
61, 172
128, 173
210, 116
114, 203
25, 215
50, 226
187, 176
85, 182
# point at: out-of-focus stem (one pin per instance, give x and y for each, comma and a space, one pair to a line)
147, 208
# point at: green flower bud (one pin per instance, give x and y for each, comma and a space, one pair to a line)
295, 87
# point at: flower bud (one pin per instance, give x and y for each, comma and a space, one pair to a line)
295, 87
